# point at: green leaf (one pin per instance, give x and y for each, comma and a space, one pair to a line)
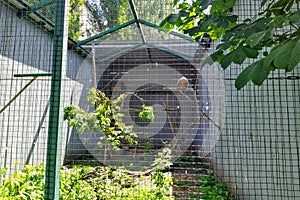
227, 59
284, 59
205, 3
175, 2
260, 24
167, 27
255, 38
206, 24
294, 58
173, 18
192, 31
184, 5
237, 56
263, 3
249, 52
245, 76
270, 57
277, 11
230, 3
260, 73
183, 14
222, 22
232, 18
275, 52
289, 5
147, 113
217, 55
280, 21
219, 6
280, 3
214, 57
295, 17
225, 45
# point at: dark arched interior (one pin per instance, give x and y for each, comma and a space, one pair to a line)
142, 56
152, 94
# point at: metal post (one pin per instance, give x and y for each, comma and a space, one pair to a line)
53, 159
94, 67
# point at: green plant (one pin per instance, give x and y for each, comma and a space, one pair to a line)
74, 18
147, 113
211, 188
270, 37
161, 181
90, 183
25, 184
106, 118
2, 174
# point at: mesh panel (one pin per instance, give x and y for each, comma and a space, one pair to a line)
247, 139
153, 11
24, 120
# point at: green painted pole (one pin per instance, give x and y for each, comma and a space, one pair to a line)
53, 157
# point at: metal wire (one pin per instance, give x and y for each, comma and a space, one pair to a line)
248, 139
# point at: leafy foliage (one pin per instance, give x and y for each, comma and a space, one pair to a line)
74, 18
25, 184
101, 183
147, 113
115, 12
106, 118
161, 181
97, 19
211, 188
87, 183
271, 37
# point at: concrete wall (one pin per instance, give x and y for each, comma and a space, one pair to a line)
25, 48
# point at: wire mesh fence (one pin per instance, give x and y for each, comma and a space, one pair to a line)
245, 139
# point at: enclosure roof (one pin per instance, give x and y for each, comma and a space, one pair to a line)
42, 13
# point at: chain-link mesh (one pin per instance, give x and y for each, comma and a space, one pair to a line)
245, 139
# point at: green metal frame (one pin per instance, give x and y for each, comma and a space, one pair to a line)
184, 56
25, 10
54, 142
111, 30
40, 5
18, 94
35, 76
138, 22
171, 33
121, 52
136, 17
32, 75
77, 44
55, 107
